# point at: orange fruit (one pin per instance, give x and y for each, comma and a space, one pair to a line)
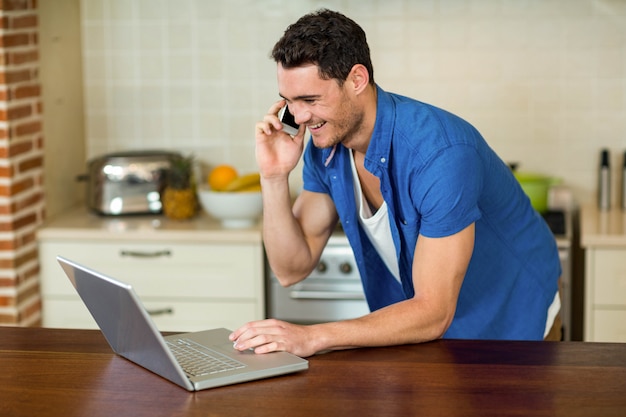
221, 176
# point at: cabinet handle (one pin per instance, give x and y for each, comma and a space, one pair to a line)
160, 311
138, 254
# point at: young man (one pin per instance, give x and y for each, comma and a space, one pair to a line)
446, 242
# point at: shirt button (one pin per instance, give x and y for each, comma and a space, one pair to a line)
383, 159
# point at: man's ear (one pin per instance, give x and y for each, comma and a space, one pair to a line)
359, 77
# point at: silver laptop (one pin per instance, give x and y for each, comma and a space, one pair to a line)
195, 361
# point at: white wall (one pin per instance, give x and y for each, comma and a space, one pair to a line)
543, 80
62, 96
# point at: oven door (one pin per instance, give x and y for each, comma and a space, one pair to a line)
312, 307
333, 291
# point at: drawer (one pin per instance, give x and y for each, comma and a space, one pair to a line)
185, 316
609, 274
609, 325
161, 270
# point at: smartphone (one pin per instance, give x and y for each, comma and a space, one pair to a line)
289, 123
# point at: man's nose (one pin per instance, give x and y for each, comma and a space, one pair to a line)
300, 114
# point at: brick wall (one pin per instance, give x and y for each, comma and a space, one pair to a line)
22, 204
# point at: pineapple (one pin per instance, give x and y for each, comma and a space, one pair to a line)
179, 195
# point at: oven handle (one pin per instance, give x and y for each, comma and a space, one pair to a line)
326, 295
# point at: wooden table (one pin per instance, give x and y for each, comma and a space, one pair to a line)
49, 372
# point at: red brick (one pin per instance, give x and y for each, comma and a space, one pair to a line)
7, 245
24, 239
31, 163
11, 77
30, 256
32, 273
27, 91
27, 220
17, 112
6, 172
7, 301
28, 128
27, 293
24, 21
16, 188
21, 186
30, 201
10, 40
18, 58
20, 148
7, 282
11, 5
29, 311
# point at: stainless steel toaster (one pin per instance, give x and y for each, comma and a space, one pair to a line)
127, 182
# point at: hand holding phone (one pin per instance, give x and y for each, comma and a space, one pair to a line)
289, 123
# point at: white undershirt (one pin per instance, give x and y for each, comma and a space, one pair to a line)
378, 230
553, 311
376, 226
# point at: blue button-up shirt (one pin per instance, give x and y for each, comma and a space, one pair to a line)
438, 176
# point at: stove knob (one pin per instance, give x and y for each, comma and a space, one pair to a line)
321, 267
345, 267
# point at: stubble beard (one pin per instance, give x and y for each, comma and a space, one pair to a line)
347, 129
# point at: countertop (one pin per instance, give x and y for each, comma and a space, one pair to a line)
52, 372
79, 223
605, 228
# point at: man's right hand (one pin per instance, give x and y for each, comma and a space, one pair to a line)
277, 152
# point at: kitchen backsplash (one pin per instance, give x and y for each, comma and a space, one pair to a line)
543, 80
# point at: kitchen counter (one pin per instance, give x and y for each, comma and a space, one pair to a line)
53, 372
605, 228
79, 223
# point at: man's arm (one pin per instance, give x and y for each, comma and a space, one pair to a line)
439, 268
295, 238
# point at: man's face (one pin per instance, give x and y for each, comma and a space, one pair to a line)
326, 108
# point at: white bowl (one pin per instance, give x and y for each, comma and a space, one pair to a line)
233, 209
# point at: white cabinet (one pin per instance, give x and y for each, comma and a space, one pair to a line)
603, 236
189, 275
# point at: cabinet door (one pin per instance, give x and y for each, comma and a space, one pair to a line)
162, 270
609, 277
609, 326
205, 285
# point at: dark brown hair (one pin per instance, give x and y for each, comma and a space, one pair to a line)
327, 39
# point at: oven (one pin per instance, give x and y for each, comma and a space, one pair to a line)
333, 291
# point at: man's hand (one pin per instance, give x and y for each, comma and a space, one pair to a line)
277, 152
273, 335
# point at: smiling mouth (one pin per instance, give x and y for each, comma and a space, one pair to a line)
316, 126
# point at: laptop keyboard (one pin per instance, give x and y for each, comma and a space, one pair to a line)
198, 360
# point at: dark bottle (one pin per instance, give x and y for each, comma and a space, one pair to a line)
624, 183
604, 186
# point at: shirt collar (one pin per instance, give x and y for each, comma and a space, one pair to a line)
380, 143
